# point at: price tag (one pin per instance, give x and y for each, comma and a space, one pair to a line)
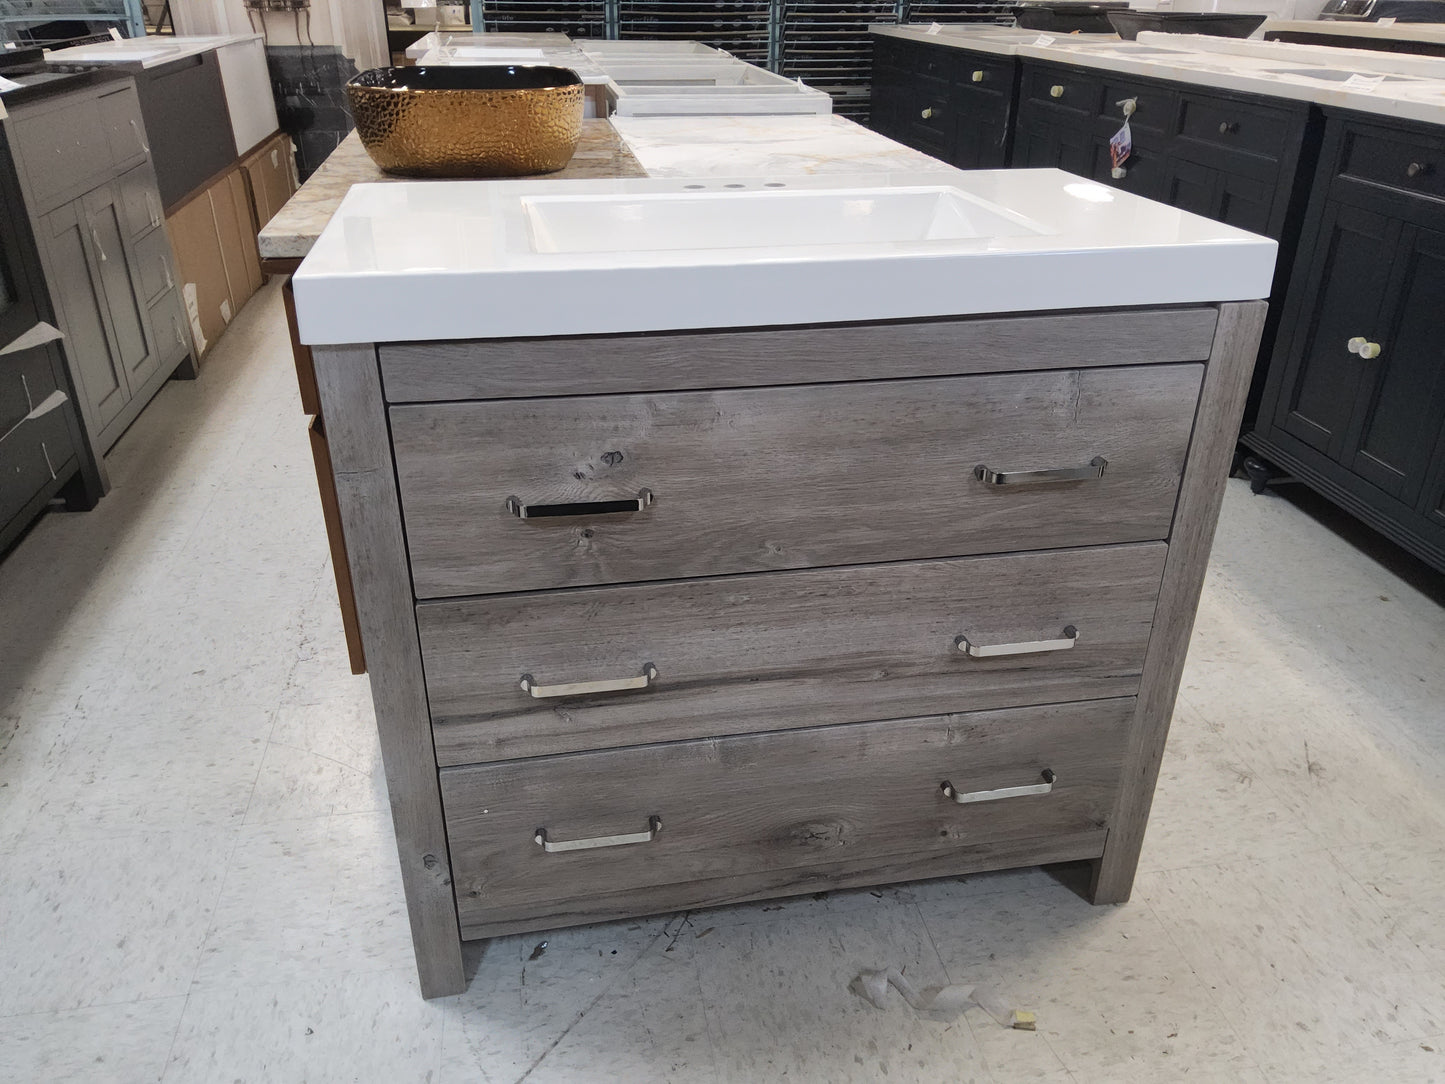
8, 84
1362, 82
1387, 21
934, 28
115, 34
1044, 39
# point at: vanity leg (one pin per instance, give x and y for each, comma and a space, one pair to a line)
349, 382
1216, 427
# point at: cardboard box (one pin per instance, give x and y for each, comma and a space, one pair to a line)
216, 253
270, 177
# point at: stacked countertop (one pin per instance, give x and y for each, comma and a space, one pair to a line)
1387, 84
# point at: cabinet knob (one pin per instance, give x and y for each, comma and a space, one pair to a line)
1366, 349
927, 113
1056, 91
1418, 169
1228, 127
977, 76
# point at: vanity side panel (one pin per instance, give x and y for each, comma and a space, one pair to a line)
610, 364
349, 384
1216, 426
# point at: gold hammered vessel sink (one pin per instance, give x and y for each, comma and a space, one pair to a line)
473, 121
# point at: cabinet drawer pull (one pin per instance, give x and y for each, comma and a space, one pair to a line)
927, 114
100, 250
48, 465
654, 825
990, 477
582, 688
977, 76
1418, 169
134, 127
1003, 792
1056, 91
578, 508
1027, 647
1366, 349
1228, 127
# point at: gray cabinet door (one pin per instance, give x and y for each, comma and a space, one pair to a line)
76, 287
119, 275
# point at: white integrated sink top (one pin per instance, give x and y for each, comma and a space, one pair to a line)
776, 218
412, 261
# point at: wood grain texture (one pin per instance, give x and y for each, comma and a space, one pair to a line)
750, 480
609, 364
768, 884
300, 353
350, 391
736, 807
742, 654
336, 540
1216, 429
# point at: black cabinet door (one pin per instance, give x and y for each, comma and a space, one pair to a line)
1041, 145
1345, 286
1397, 419
982, 104
1219, 194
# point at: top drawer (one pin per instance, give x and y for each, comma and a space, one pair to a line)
519, 495
1408, 165
1060, 88
1247, 128
63, 151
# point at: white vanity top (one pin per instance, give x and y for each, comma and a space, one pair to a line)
1408, 87
478, 259
1430, 32
149, 52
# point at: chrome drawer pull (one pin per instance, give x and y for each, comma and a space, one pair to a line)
990, 477
654, 825
1028, 647
578, 508
582, 688
1003, 792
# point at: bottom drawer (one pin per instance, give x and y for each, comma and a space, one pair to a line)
34, 454
585, 837
168, 323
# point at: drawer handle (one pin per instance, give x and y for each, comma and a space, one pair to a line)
1003, 792
94, 236
1056, 91
1027, 647
1359, 345
654, 825
1228, 127
578, 508
1418, 169
977, 76
49, 465
134, 127
151, 208
582, 688
990, 477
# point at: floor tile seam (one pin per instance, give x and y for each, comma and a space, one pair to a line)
1210, 994
175, 1038
212, 919
271, 743
1365, 890
89, 1006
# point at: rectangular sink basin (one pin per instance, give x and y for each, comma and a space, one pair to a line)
501, 55
764, 218
1333, 76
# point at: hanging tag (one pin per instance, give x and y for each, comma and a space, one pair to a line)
1387, 21
1121, 144
1362, 82
115, 34
934, 28
1044, 39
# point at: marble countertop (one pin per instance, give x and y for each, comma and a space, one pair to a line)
1431, 32
764, 147
147, 52
477, 259
294, 229
1387, 84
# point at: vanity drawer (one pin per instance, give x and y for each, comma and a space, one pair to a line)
153, 263
1414, 166
739, 654
739, 815
1248, 128
651, 487
1062, 90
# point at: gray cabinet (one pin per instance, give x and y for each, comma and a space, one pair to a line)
84, 164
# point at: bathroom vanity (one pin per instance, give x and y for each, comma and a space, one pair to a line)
720, 540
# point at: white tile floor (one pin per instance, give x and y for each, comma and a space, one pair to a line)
197, 881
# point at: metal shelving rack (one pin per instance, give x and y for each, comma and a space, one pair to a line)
20, 20
826, 43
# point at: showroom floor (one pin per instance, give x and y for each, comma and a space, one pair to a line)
197, 881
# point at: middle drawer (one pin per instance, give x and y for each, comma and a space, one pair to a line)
516, 495
512, 676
